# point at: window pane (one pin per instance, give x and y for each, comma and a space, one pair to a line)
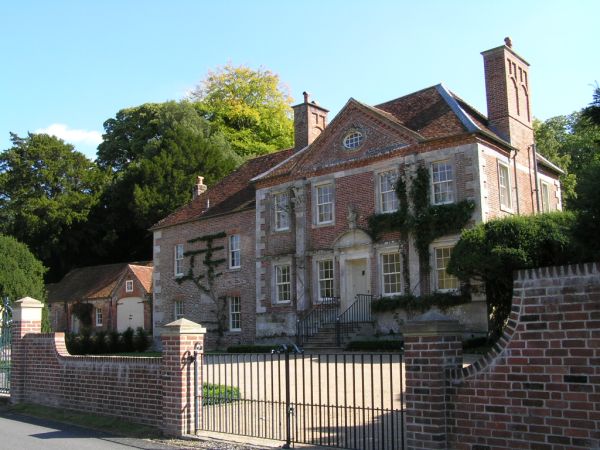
283, 283
387, 188
234, 251
442, 178
504, 186
392, 275
235, 311
282, 218
178, 269
444, 279
325, 203
325, 279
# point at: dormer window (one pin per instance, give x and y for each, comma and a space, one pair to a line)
353, 139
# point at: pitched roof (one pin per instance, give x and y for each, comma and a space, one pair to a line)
96, 282
233, 193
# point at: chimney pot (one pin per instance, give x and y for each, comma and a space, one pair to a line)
199, 188
306, 95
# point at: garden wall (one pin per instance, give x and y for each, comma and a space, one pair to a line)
151, 391
538, 389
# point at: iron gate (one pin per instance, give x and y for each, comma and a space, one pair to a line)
5, 345
351, 400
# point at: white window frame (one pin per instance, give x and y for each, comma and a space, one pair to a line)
178, 260
545, 196
235, 252
387, 196
328, 280
277, 282
281, 209
400, 282
319, 205
128, 285
447, 183
99, 317
235, 313
178, 309
438, 269
504, 190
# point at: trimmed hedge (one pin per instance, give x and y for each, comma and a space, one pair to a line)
442, 300
102, 342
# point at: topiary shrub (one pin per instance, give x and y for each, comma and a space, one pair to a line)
141, 340
100, 342
127, 340
490, 252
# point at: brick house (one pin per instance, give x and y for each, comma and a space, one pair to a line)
295, 222
120, 295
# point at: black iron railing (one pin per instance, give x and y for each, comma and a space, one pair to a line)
358, 312
352, 401
324, 312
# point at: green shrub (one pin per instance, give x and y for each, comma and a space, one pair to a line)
490, 252
86, 342
127, 340
141, 340
376, 345
100, 344
114, 342
410, 303
213, 394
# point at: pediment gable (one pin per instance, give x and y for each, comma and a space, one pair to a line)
380, 132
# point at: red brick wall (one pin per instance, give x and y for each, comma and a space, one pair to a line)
540, 387
232, 282
130, 388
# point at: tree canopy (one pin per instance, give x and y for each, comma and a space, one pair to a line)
250, 107
573, 143
21, 274
47, 190
154, 169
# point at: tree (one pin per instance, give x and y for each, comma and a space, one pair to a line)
250, 107
592, 112
21, 273
490, 252
154, 170
47, 192
573, 143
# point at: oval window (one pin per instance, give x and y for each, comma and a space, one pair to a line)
353, 139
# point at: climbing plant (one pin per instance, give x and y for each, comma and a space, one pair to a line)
417, 216
83, 312
205, 280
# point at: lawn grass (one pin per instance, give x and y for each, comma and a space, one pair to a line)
113, 425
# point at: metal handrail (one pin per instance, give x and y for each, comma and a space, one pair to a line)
357, 312
324, 312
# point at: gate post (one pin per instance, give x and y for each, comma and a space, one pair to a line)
432, 345
179, 339
27, 318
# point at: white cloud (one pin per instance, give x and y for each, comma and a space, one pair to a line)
71, 135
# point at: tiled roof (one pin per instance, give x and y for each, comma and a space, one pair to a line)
144, 275
427, 112
233, 193
94, 282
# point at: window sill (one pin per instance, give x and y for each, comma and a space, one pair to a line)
323, 224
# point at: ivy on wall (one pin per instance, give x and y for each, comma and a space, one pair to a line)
206, 279
83, 312
418, 217
411, 303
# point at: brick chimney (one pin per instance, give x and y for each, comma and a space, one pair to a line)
199, 187
508, 95
310, 120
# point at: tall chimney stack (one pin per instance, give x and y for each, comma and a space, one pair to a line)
310, 120
508, 95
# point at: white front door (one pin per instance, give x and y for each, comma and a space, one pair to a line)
357, 281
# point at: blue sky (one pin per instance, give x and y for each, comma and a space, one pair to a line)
67, 66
